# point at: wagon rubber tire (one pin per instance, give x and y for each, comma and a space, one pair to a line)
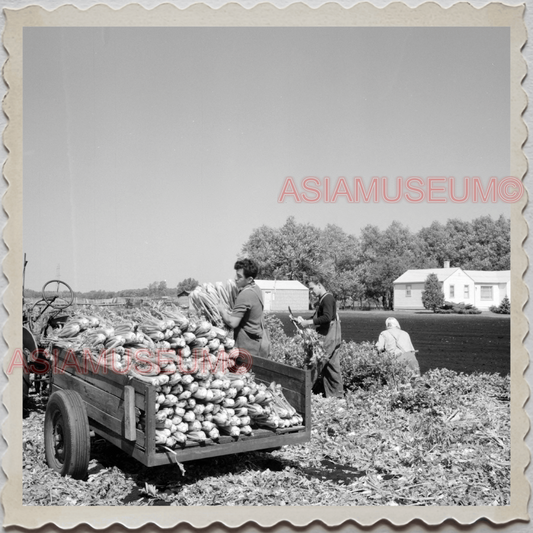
67, 442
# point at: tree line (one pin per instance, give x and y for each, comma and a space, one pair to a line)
358, 268
362, 267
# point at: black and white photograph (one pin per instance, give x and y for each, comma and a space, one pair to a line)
270, 265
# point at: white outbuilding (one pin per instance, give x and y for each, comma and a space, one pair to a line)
480, 288
278, 294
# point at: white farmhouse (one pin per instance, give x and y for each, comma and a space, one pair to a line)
278, 295
477, 287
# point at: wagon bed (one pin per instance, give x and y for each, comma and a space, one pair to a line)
114, 403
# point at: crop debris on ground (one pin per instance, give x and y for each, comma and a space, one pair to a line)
443, 439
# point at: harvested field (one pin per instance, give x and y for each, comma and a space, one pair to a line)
415, 444
463, 343
442, 439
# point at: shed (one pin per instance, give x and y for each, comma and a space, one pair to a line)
279, 294
479, 288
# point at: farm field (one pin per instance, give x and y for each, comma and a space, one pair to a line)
442, 439
462, 343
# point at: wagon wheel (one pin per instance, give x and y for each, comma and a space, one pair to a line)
66, 434
52, 296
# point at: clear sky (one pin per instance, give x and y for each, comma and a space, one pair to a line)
152, 153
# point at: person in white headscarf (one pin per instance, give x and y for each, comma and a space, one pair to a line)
398, 342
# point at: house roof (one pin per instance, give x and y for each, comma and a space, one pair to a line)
420, 275
489, 276
280, 284
478, 276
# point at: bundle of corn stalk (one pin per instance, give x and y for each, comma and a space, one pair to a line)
313, 347
138, 346
205, 299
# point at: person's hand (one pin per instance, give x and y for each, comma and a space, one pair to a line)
221, 308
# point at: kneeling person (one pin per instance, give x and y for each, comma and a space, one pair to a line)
398, 342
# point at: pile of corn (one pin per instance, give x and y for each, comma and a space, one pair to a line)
187, 360
141, 346
204, 405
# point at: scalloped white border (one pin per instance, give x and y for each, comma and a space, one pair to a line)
364, 14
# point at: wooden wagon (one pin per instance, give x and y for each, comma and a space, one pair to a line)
111, 404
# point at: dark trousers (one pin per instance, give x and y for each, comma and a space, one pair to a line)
329, 382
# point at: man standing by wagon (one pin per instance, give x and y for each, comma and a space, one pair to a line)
327, 323
246, 317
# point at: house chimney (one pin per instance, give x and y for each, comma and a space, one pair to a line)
446, 264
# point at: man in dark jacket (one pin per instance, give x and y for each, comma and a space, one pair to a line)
326, 322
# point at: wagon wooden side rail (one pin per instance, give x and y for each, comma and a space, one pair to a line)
113, 404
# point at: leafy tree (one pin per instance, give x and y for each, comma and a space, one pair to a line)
345, 286
293, 251
340, 250
483, 244
385, 256
432, 295
188, 284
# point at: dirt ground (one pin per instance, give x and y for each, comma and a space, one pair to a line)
463, 343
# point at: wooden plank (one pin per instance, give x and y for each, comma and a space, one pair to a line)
130, 425
74, 363
134, 449
149, 409
272, 367
307, 396
244, 444
101, 419
104, 379
90, 394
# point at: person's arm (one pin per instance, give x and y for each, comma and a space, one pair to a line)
233, 318
228, 318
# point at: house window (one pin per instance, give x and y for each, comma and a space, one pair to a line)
452, 291
486, 292
467, 291
408, 291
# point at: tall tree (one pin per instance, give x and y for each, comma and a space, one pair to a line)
346, 285
384, 257
293, 251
